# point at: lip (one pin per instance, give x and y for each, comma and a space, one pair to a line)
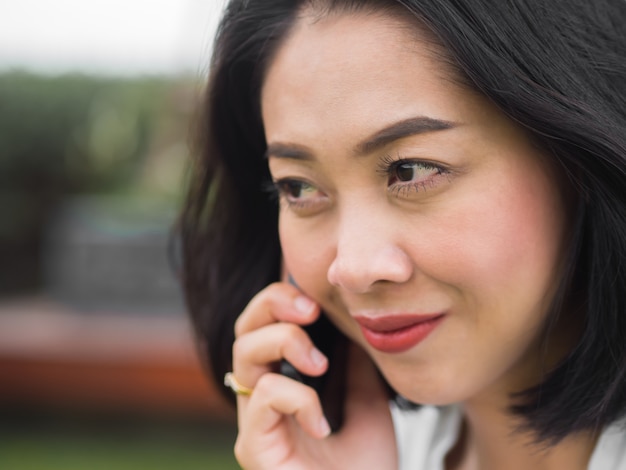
397, 333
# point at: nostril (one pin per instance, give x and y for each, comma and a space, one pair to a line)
332, 274
362, 271
354, 277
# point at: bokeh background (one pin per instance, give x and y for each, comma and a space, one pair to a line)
98, 368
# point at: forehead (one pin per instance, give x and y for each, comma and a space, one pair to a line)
343, 39
355, 70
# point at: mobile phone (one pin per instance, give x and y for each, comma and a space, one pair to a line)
331, 386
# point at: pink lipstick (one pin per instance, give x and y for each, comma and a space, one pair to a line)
397, 333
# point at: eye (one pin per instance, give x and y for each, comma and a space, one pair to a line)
407, 176
299, 195
295, 189
405, 172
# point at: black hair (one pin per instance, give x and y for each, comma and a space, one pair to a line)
556, 67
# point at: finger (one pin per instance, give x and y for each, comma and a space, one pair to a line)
277, 398
277, 302
255, 353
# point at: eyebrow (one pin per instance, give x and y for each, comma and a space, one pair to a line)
396, 131
400, 130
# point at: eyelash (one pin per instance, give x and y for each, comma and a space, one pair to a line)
278, 192
388, 165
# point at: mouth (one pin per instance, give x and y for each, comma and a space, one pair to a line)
397, 333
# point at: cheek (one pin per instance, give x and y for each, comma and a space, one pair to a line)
306, 255
308, 252
506, 245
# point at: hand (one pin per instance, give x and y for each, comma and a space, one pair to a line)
281, 424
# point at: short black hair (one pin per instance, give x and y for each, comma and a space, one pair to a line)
556, 67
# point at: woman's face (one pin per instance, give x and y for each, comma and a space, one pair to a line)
422, 219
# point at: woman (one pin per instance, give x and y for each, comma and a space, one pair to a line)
450, 182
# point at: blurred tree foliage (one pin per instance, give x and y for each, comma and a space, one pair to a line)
76, 134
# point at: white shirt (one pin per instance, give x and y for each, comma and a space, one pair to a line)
425, 435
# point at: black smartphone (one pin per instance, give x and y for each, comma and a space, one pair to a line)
331, 386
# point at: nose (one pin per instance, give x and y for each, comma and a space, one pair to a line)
368, 253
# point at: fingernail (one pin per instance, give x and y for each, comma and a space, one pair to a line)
304, 305
324, 427
317, 357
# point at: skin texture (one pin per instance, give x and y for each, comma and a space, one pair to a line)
473, 227
481, 244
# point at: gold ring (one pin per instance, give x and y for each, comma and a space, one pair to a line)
231, 382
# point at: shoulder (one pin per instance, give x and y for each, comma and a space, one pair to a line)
425, 435
610, 452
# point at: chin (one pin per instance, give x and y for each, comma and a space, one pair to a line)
431, 397
427, 390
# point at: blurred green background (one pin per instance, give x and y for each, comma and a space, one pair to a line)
98, 366
119, 143
91, 177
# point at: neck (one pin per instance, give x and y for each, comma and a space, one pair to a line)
491, 437
490, 440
